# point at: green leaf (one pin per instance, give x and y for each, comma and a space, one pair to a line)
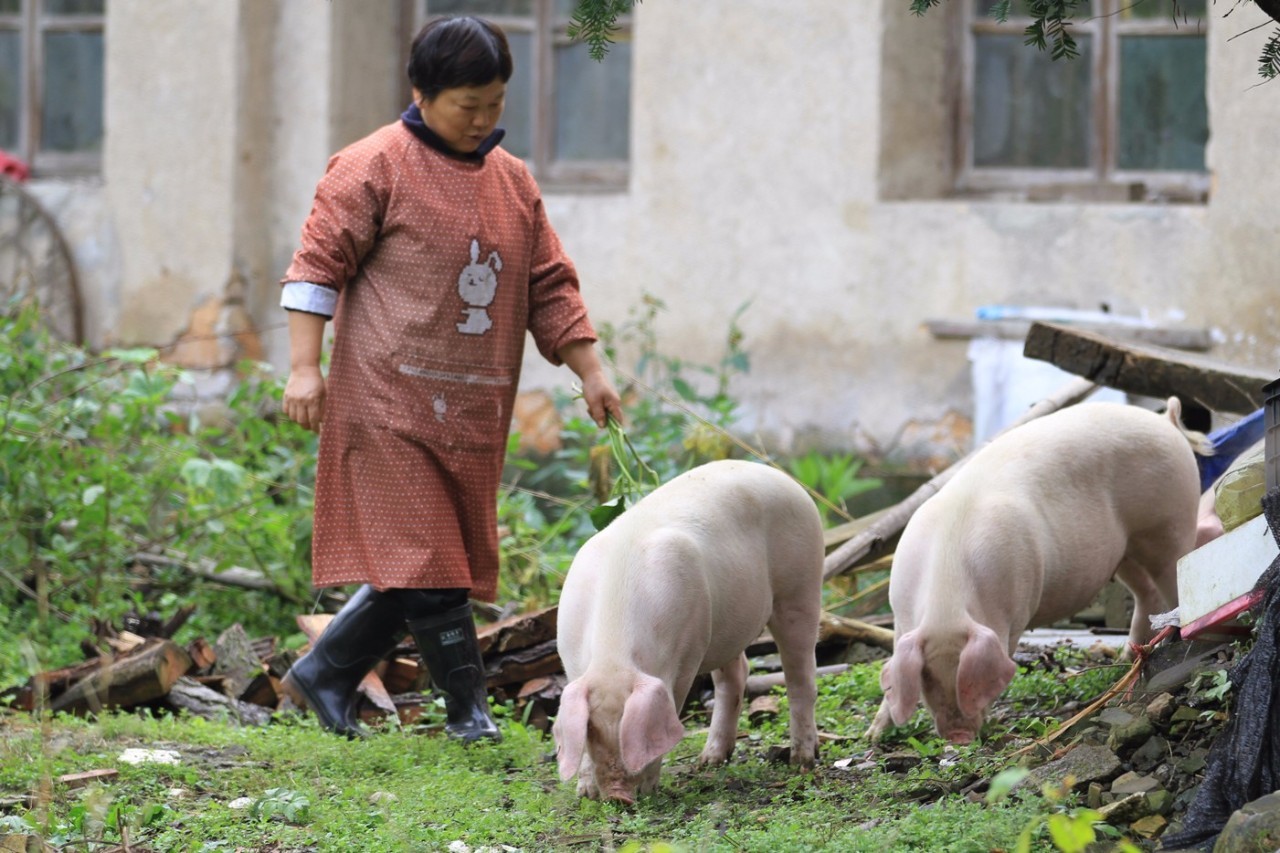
196, 472
1071, 834
603, 515
1004, 782
136, 355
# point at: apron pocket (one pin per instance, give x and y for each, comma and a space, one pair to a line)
447, 404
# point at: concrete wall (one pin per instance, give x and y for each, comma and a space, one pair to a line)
794, 157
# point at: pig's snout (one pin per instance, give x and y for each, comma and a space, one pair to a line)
959, 736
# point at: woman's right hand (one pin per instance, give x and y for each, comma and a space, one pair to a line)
304, 397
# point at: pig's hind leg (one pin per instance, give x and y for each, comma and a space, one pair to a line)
1154, 592
796, 632
730, 685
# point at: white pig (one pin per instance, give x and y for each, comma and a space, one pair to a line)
1027, 533
678, 585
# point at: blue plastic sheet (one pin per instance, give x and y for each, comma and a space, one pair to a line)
1228, 443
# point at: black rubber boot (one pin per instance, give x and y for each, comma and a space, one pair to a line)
447, 643
325, 679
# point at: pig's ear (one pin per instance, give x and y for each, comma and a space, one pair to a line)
984, 672
900, 678
650, 725
570, 729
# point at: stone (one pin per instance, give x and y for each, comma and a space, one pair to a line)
1112, 716
1160, 801
1125, 809
1254, 828
1131, 734
1161, 708
1151, 753
1085, 764
1149, 827
1133, 783
1193, 763
1094, 797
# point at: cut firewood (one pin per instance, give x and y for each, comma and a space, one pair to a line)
758, 685
520, 666
402, 674
855, 631
203, 657
191, 696
238, 661
518, 632
143, 676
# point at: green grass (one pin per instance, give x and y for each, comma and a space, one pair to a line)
401, 790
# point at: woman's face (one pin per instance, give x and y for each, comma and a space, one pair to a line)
464, 116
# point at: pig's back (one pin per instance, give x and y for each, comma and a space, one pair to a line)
1080, 489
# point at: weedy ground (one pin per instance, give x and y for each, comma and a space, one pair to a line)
289, 786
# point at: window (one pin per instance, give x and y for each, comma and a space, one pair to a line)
51, 61
567, 115
1125, 120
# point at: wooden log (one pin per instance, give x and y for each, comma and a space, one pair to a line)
518, 632
191, 696
854, 631
522, 665
874, 540
758, 685
203, 657
237, 660
1148, 370
146, 675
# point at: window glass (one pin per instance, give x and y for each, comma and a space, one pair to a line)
72, 104
1019, 8
1028, 110
1164, 122
75, 7
593, 103
10, 75
517, 116
9, 7
480, 7
1190, 11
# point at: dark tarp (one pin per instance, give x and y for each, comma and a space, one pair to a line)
1244, 762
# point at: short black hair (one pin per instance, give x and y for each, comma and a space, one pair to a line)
463, 51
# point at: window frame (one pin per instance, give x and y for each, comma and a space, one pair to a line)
1103, 179
32, 23
548, 34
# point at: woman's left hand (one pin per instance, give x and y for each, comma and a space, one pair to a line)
601, 398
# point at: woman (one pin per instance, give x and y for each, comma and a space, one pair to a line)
430, 249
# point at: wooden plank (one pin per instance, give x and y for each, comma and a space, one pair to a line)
1193, 340
1148, 370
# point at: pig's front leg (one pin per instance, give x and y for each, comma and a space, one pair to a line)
730, 684
883, 720
587, 785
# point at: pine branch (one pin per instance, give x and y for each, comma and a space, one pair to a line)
1269, 62
595, 21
